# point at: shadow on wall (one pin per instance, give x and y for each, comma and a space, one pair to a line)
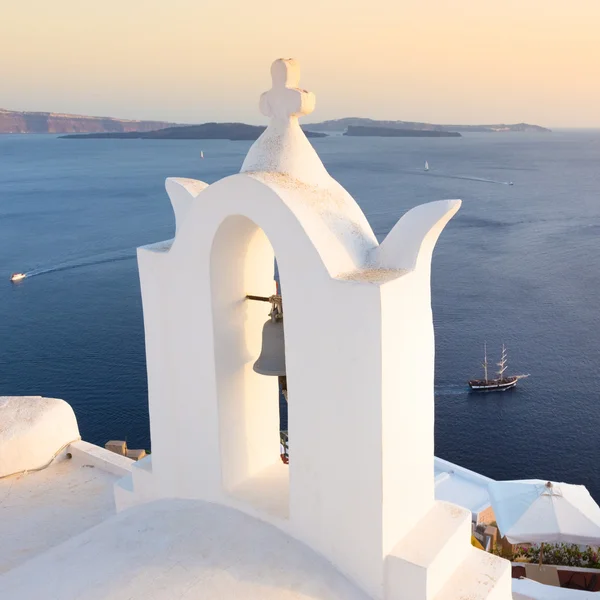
249, 414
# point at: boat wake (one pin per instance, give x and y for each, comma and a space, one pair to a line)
451, 390
98, 259
469, 178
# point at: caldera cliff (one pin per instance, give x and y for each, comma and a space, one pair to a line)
12, 121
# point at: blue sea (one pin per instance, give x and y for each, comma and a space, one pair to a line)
518, 265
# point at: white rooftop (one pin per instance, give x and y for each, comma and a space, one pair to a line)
60, 522
41, 509
179, 549
461, 486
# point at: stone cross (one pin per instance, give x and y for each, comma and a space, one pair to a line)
285, 99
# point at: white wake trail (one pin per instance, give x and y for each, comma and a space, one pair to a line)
97, 259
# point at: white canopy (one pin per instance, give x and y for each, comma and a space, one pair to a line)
535, 511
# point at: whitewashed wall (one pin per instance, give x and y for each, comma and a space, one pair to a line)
359, 355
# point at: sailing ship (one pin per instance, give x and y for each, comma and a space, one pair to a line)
201, 153
426, 166
501, 383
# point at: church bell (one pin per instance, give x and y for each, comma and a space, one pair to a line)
272, 355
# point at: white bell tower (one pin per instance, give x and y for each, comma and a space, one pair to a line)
359, 349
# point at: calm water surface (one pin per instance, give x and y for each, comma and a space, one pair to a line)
518, 264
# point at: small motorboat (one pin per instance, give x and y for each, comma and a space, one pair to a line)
17, 277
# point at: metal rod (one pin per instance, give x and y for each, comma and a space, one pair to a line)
275, 297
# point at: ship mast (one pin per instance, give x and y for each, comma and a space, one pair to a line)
485, 363
502, 363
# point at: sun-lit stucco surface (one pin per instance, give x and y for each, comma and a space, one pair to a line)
41, 509
175, 549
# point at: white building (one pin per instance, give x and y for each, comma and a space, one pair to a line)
466, 488
213, 512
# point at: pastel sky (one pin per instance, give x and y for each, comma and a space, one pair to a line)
444, 61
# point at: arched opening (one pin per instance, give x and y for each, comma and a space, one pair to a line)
242, 263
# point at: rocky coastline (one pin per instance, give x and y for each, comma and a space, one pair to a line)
12, 121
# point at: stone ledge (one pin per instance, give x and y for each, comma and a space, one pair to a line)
89, 454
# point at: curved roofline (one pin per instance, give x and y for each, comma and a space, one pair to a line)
329, 217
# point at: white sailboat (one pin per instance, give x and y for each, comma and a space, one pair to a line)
426, 166
201, 153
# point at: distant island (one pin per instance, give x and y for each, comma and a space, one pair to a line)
206, 131
361, 131
339, 125
12, 121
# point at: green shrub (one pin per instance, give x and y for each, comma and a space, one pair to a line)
566, 555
